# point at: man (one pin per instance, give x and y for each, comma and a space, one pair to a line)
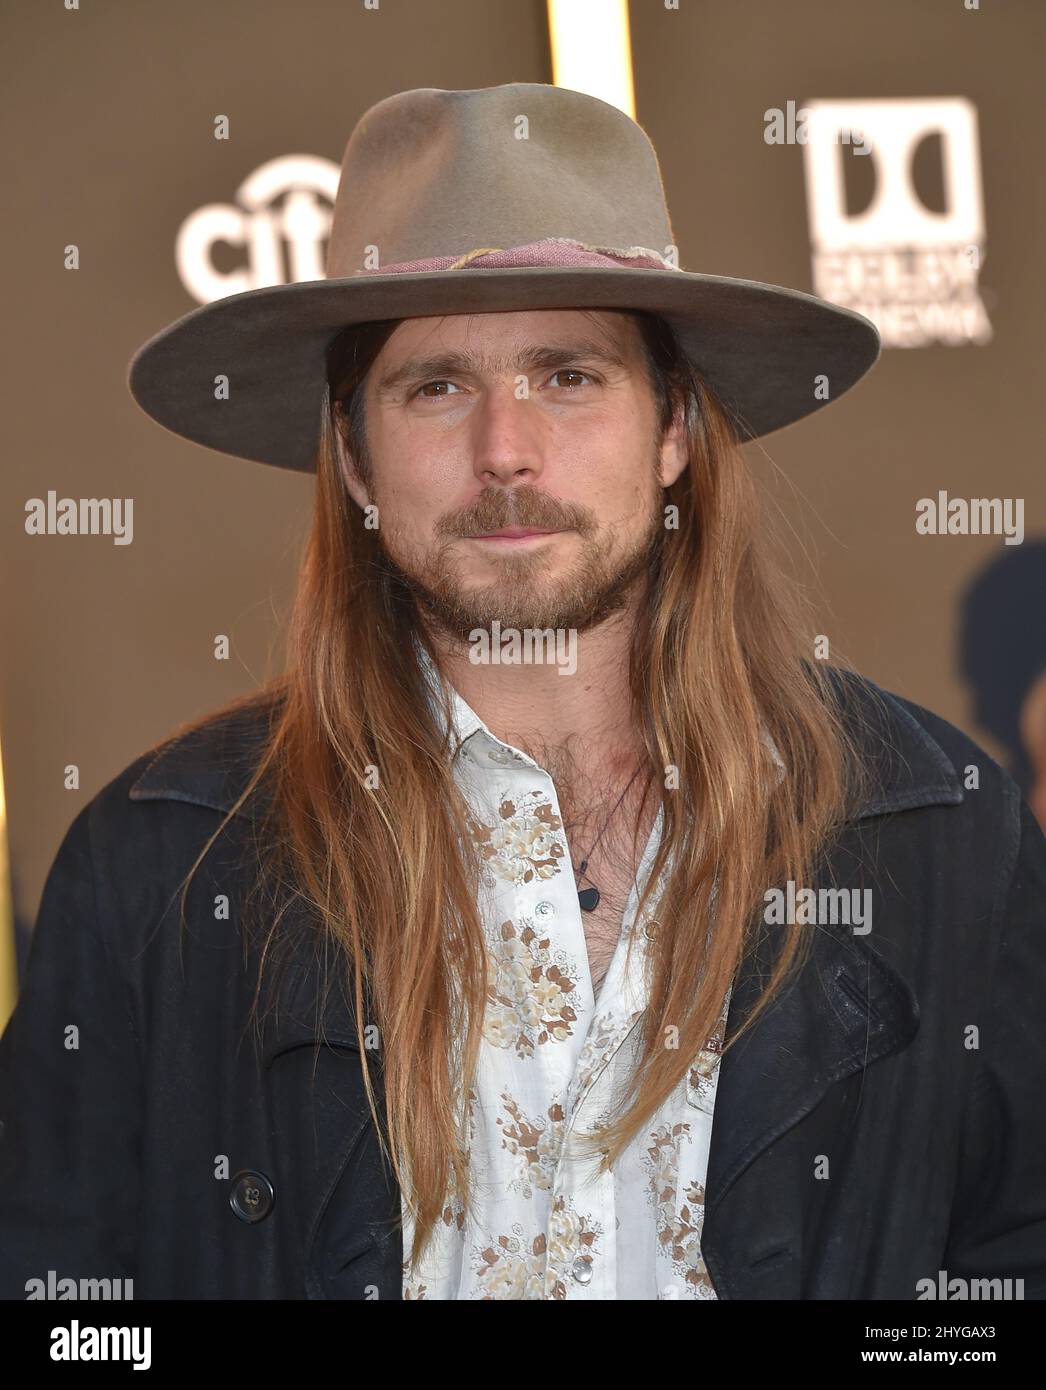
557, 926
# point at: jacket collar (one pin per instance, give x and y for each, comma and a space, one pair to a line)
850, 1009
210, 765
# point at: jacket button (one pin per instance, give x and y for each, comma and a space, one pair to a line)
252, 1196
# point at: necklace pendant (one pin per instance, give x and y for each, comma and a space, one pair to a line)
588, 898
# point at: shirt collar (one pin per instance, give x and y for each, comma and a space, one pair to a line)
466, 723
469, 734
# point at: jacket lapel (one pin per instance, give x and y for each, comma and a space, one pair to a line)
846, 1009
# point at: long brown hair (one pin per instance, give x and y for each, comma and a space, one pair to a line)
721, 654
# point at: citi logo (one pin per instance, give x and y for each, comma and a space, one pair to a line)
278, 224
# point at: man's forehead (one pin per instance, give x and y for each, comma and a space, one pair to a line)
509, 328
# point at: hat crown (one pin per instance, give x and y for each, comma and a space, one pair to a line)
430, 173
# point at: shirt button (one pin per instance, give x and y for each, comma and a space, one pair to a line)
582, 1270
545, 909
252, 1196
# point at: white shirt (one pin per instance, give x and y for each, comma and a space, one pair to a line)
543, 1224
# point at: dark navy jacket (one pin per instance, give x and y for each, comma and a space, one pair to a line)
861, 1142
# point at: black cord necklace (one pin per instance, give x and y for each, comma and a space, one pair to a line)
589, 897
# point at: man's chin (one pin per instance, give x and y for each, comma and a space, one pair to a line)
463, 613
524, 596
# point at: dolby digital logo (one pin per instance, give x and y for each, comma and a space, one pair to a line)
914, 270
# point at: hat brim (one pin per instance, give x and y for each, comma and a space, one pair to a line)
762, 348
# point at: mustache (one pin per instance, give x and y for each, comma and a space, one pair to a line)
496, 508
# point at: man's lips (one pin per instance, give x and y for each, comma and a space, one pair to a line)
515, 533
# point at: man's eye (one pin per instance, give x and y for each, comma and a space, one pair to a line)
422, 389
570, 371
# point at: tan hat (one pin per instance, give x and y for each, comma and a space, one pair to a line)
524, 196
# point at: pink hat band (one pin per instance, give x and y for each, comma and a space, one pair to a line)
550, 251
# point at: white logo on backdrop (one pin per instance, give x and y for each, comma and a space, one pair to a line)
911, 270
281, 241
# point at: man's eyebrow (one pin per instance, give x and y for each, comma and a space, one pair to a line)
543, 358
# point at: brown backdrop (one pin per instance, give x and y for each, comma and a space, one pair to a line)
109, 113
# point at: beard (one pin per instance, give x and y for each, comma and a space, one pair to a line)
531, 589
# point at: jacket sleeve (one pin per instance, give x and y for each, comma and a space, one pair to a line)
999, 1224
70, 1094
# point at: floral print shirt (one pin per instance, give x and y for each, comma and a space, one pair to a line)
543, 1223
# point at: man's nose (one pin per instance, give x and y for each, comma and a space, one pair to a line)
506, 441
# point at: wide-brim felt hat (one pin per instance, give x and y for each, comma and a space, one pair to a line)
518, 197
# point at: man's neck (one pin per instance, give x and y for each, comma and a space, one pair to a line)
579, 726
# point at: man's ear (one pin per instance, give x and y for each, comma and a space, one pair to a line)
673, 456
346, 464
